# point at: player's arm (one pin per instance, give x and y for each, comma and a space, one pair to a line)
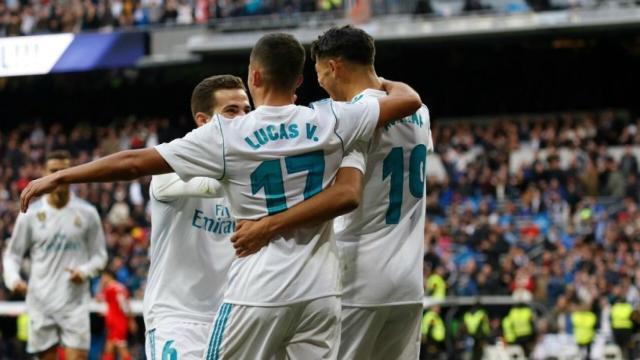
358, 121
97, 249
168, 187
12, 258
121, 166
340, 198
199, 153
401, 101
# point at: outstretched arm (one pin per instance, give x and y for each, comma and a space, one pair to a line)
121, 166
338, 199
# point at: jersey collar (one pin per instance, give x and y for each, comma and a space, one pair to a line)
368, 92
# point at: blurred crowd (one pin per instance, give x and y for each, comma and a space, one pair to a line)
559, 227
29, 17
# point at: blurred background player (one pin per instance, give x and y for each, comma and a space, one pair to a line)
190, 248
118, 319
65, 238
381, 242
280, 280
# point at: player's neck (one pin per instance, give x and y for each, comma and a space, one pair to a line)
58, 199
270, 97
361, 80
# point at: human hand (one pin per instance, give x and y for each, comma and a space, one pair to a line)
76, 277
37, 188
251, 236
20, 288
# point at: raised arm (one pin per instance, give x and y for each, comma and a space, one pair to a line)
401, 101
121, 166
338, 199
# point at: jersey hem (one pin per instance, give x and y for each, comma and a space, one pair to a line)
277, 304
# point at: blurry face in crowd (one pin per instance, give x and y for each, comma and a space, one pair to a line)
52, 166
231, 103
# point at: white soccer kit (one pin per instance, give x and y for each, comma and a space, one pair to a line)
58, 239
267, 161
190, 255
381, 242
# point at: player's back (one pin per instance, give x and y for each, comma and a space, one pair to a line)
268, 161
381, 242
276, 157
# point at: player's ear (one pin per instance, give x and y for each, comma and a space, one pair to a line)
299, 81
201, 118
255, 77
333, 65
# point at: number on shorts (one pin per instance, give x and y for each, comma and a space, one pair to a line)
168, 352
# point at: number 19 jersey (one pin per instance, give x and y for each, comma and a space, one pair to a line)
381, 242
268, 161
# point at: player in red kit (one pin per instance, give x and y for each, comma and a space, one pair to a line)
117, 318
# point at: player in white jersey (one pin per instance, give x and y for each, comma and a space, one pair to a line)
65, 239
190, 251
282, 301
381, 242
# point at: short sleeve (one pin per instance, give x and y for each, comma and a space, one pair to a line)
356, 157
199, 153
356, 122
427, 119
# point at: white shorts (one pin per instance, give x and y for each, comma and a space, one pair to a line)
386, 332
70, 329
179, 340
301, 331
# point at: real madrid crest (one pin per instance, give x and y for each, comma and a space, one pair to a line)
42, 216
77, 222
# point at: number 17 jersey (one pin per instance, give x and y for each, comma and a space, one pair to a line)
381, 242
267, 161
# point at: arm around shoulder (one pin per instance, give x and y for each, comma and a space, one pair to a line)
401, 101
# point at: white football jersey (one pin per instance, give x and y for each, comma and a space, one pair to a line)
190, 251
268, 161
381, 242
58, 240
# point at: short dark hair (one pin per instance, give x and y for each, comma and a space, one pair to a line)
347, 42
282, 57
203, 97
58, 155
